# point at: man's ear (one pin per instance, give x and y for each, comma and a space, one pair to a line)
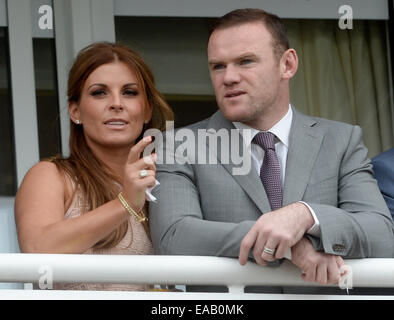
289, 64
73, 110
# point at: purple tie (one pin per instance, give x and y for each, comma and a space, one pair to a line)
270, 170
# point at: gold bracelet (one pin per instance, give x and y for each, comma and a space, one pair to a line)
140, 217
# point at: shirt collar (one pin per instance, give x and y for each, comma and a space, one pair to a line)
281, 129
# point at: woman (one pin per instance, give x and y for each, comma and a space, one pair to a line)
93, 201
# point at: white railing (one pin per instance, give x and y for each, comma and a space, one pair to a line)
178, 270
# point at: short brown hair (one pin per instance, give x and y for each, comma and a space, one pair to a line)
273, 23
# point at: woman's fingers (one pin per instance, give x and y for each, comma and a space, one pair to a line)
144, 174
137, 149
139, 174
147, 182
147, 163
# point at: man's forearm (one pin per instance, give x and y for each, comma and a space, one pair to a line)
190, 236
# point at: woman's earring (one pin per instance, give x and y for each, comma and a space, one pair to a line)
77, 122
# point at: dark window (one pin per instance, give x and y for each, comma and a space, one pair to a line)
46, 97
7, 145
189, 109
175, 50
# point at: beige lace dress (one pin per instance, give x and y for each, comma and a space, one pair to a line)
134, 242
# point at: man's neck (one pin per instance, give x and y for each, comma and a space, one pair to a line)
267, 120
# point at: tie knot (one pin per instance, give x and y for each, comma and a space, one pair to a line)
266, 140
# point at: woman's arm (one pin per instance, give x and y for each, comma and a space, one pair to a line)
39, 215
43, 198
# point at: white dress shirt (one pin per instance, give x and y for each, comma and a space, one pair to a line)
281, 130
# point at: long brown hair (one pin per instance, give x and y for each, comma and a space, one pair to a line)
97, 182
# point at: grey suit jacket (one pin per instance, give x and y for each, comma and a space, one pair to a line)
206, 210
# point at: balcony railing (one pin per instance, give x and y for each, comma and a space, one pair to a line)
177, 270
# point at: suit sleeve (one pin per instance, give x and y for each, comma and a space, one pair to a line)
361, 226
177, 221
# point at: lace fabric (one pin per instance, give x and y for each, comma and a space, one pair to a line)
134, 242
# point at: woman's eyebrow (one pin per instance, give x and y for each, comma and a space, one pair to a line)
104, 85
130, 84
97, 84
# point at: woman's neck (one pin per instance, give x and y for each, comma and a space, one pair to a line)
114, 158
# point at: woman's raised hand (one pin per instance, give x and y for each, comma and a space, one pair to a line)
139, 174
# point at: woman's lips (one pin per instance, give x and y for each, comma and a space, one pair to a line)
116, 124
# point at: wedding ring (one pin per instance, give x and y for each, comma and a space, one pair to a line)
269, 251
143, 173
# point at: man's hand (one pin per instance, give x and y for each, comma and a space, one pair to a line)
278, 230
316, 266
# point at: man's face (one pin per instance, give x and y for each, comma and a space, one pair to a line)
244, 71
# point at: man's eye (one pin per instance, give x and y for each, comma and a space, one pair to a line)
217, 66
246, 61
97, 93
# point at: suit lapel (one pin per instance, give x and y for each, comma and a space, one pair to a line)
249, 182
304, 145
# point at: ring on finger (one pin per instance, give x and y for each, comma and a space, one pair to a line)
143, 173
269, 251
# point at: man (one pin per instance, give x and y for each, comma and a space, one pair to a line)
310, 190
383, 167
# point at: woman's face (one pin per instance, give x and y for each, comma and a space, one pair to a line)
112, 108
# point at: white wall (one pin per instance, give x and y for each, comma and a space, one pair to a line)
303, 9
3, 14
